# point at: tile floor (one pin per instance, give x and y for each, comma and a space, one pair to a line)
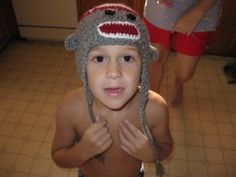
34, 76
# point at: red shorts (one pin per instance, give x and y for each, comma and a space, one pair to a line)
192, 45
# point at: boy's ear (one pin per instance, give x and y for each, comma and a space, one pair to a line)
71, 42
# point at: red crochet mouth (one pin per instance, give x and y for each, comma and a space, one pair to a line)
119, 30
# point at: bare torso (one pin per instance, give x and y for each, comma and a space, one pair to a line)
117, 163
73, 123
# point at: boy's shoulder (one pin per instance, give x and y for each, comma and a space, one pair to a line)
156, 108
73, 102
154, 99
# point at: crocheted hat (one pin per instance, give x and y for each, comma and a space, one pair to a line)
112, 24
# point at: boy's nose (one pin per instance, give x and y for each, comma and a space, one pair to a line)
113, 70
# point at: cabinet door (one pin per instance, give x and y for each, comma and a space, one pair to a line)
8, 25
4, 34
225, 41
84, 5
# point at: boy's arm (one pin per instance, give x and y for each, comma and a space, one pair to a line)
160, 129
65, 151
135, 143
187, 23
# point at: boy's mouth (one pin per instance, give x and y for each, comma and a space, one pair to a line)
118, 29
114, 91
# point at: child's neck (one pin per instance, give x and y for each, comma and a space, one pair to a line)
101, 109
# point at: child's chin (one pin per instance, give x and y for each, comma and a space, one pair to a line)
115, 106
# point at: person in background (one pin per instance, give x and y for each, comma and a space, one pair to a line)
185, 26
112, 124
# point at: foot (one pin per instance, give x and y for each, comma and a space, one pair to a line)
176, 95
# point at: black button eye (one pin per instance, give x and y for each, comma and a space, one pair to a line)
131, 17
110, 12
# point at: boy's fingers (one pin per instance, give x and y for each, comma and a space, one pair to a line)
124, 141
126, 133
134, 130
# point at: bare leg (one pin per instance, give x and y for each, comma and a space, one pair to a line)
185, 68
156, 70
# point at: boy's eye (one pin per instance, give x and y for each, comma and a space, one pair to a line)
131, 17
99, 59
110, 12
127, 58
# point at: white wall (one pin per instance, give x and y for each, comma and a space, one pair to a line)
46, 19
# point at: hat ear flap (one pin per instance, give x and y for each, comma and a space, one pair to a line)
71, 42
153, 54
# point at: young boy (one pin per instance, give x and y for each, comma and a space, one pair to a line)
98, 127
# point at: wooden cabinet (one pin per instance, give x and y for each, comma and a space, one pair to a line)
225, 40
223, 44
4, 34
8, 27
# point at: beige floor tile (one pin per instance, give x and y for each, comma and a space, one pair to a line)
228, 142
13, 117
44, 121
193, 126
203, 127
192, 114
179, 137
7, 160
231, 170
223, 117
4, 173
29, 118
23, 163
7, 104
41, 167
178, 168
6, 129
58, 172
217, 170
49, 109
194, 139
22, 131
3, 142
14, 145
226, 129
37, 133
197, 169
211, 140
207, 115
196, 154
179, 152
18, 174
30, 148
20, 105
229, 156
45, 150
214, 155
34, 107
209, 127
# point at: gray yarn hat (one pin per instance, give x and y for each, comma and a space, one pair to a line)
112, 24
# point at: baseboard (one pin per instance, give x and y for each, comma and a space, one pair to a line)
46, 33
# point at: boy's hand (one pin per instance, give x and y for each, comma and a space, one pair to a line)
96, 138
135, 143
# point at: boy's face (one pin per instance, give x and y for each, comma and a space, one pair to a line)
113, 74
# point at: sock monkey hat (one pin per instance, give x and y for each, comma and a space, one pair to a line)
112, 24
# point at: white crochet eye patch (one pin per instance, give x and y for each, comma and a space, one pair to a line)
118, 29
